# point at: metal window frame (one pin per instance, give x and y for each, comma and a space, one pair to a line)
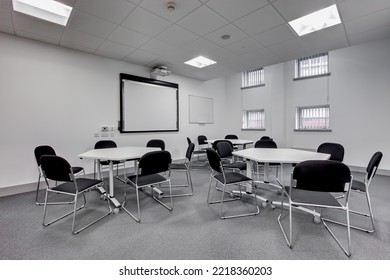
245, 126
253, 78
311, 64
299, 120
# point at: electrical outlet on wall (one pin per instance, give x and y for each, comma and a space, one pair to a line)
104, 128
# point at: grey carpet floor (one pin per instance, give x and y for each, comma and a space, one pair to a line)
193, 230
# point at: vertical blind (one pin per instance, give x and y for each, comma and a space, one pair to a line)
312, 65
252, 78
312, 118
253, 119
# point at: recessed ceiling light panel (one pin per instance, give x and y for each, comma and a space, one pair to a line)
200, 62
49, 10
316, 21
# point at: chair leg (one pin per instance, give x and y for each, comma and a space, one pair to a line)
280, 218
138, 220
170, 208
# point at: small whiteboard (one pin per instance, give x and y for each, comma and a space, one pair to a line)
201, 109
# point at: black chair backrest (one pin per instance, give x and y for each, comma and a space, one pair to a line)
41, 151
224, 149
202, 140
156, 143
189, 140
154, 162
322, 175
265, 138
104, 144
335, 150
215, 143
214, 160
190, 150
231, 136
374, 162
56, 168
268, 144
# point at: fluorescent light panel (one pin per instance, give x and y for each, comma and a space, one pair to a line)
49, 10
200, 62
316, 21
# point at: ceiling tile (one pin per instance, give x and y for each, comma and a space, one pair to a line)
36, 26
81, 39
134, 1
146, 22
5, 18
77, 47
352, 9
371, 35
259, 21
291, 49
327, 39
88, 24
366, 23
245, 46
175, 35
202, 21
157, 47
67, 2
141, 57
200, 46
183, 8
113, 11
5, 5
275, 35
220, 55
292, 9
128, 37
114, 50
179, 56
233, 9
37, 37
235, 35
260, 58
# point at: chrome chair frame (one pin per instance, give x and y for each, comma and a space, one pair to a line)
217, 170
92, 184
289, 193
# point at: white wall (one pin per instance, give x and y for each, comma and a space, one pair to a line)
60, 97
358, 92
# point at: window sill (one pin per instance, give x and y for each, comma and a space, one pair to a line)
253, 129
261, 85
311, 77
313, 130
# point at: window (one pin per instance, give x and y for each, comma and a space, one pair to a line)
253, 78
253, 119
312, 66
312, 118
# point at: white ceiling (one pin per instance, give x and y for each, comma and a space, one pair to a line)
145, 32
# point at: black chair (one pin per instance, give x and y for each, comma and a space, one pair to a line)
335, 150
231, 136
148, 174
197, 152
227, 179
202, 142
48, 150
362, 187
312, 183
156, 143
265, 137
225, 151
184, 167
57, 169
106, 144
216, 142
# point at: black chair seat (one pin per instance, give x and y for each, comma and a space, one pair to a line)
313, 197
232, 178
82, 184
76, 169
180, 166
358, 186
236, 165
147, 179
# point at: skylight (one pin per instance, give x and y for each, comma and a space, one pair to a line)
200, 62
316, 21
49, 10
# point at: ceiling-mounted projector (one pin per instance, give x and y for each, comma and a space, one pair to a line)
160, 71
